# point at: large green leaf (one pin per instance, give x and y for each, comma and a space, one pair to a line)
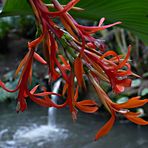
133, 13
16, 7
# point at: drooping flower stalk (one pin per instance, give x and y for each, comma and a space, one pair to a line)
70, 52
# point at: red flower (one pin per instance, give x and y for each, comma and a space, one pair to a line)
70, 52
119, 108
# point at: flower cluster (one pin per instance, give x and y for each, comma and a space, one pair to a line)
71, 52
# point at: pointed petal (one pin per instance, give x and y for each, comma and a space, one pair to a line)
101, 21
65, 9
132, 103
125, 60
46, 102
109, 53
94, 29
21, 64
76, 94
35, 42
46, 94
85, 108
88, 106
64, 74
34, 89
78, 69
88, 103
65, 88
136, 119
106, 128
39, 58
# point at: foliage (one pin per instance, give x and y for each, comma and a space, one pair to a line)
26, 26
23, 25
144, 92
133, 14
5, 27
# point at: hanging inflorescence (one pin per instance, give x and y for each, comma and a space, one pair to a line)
71, 52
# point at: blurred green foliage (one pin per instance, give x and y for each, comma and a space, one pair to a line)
11, 83
5, 27
24, 26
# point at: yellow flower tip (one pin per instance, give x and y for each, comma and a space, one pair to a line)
78, 9
73, 8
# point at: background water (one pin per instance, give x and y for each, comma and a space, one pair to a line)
31, 130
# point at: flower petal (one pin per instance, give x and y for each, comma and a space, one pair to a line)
78, 69
39, 58
106, 128
132, 103
88, 106
136, 119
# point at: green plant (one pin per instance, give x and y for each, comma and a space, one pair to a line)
5, 27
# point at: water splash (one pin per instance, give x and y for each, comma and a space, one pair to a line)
42, 133
52, 110
3, 132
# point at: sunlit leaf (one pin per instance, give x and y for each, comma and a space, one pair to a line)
16, 7
144, 92
133, 14
122, 100
136, 83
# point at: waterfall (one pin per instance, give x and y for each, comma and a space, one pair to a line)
42, 133
52, 110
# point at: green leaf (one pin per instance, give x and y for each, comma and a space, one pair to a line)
136, 83
16, 7
144, 92
133, 14
122, 100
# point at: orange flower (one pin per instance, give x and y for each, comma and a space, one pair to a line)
119, 108
87, 106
